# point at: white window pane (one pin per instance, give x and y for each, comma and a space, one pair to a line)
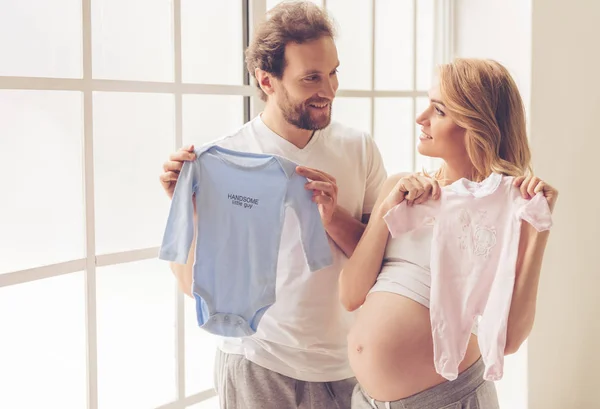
136, 335
41, 211
353, 112
212, 42
212, 403
424, 162
273, 3
43, 344
208, 117
41, 38
354, 20
394, 45
132, 39
393, 133
133, 136
425, 43
200, 351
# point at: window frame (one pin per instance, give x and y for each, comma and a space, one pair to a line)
253, 13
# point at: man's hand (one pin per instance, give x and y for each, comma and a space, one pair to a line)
324, 189
173, 166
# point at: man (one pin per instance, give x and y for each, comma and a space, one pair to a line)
298, 357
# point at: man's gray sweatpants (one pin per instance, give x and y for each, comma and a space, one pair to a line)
242, 384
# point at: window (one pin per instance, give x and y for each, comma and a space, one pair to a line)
94, 95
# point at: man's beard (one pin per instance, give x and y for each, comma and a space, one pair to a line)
300, 116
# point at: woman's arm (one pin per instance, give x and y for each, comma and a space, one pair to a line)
529, 265
532, 246
361, 269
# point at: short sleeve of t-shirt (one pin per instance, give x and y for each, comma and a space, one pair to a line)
376, 175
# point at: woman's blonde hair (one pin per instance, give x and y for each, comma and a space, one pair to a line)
482, 97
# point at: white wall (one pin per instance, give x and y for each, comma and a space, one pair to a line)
481, 31
551, 47
563, 356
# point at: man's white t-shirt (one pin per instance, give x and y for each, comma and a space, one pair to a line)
303, 335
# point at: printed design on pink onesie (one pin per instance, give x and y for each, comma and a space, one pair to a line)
476, 236
465, 223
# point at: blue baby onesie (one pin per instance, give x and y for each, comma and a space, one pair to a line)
241, 199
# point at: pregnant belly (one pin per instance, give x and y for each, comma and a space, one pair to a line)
390, 348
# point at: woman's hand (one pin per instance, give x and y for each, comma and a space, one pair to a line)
415, 189
532, 185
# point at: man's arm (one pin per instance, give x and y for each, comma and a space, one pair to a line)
345, 230
339, 224
184, 272
168, 179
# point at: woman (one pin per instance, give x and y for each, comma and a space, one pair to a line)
476, 124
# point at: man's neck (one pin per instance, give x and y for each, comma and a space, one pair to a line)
275, 121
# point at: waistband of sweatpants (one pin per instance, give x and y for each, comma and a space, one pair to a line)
443, 394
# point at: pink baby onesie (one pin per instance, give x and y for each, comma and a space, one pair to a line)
473, 261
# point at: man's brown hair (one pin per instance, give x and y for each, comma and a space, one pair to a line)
288, 22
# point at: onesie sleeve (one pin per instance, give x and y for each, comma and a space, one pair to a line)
536, 212
179, 230
402, 219
313, 236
